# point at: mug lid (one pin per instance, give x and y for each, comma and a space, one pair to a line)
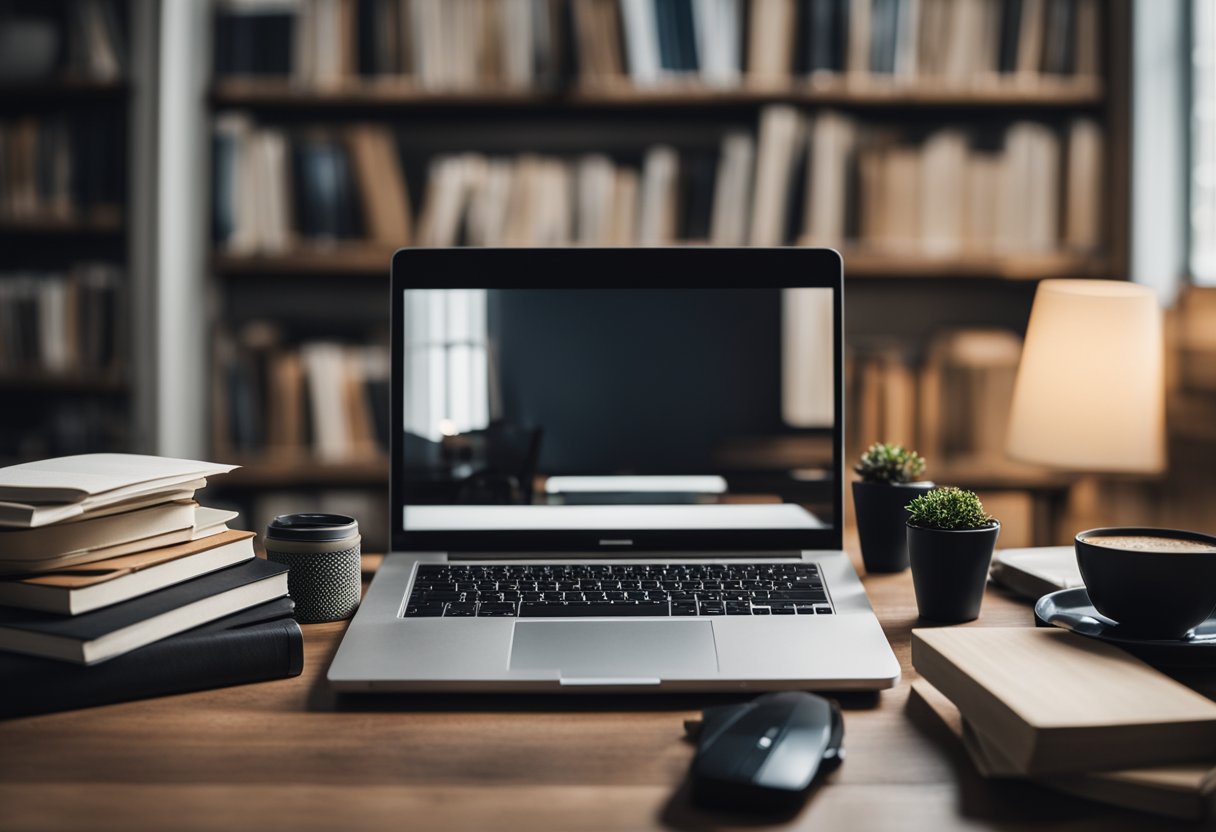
313, 527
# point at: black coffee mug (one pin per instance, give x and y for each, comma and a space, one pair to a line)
322, 553
1150, 593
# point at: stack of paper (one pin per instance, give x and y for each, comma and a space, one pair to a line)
1072, 713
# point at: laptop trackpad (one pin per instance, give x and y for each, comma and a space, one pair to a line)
616, 649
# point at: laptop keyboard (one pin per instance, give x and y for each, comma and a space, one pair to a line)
616, 590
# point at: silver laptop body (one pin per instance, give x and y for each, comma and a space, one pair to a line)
688, 402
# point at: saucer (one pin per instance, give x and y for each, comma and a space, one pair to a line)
1071, 609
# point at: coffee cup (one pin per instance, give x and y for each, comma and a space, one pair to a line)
322, 553
1155, 583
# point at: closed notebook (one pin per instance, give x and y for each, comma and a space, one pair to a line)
1184, 790
207, 522
64, 539
258, 644
1056, 702
78, 589
112, 631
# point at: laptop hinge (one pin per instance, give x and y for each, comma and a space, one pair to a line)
611, 554
611, 681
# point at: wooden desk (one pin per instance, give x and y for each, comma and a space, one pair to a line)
291, 755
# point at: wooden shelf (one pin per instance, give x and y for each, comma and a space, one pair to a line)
356, 261
305, 473
99, 224
864, 264
360, 261
72, 382
861, 92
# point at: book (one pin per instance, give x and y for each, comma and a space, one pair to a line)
100, 478
1034, 572
80, 589
1055, 702
25, 515
1186, 791
47, 543
255, 645
112, 631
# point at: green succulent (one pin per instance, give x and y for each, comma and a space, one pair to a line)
890, 463
950, 509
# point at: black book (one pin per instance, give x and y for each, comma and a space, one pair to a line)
669, 38
697, 172
686, 35
112, 631
1058, 57
255, 645
884, 27
1011, 30
795, 196
223, 176
368, 30
821, 36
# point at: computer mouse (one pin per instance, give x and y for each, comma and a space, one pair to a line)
764, 755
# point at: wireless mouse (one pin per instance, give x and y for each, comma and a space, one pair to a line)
764, 754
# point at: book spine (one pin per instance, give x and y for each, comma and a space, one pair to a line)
191, 662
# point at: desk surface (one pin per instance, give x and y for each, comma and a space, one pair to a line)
291, 755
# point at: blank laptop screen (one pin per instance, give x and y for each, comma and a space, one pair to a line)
596, 396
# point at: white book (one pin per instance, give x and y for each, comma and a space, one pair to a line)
49, 542
832, 143
716, 24
641, 41
23, 515
1034, 572
781, 139
656, 223
943, 192
75, 478
733, 191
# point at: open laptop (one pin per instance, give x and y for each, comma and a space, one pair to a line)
689, 400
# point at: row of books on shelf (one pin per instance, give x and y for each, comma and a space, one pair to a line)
822, 179
443, 45
61, 322
322, 400
61, 167
115, 584
78, 39
951, 403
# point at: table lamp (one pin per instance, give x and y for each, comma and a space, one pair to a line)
1090, 389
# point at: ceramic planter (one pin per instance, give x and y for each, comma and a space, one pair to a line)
881, 518
949, 570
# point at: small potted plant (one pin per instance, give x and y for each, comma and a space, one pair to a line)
950, 542
890, 479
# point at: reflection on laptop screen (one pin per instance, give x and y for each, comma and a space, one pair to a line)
637, 396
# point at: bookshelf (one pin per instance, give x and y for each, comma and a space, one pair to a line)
73, 142
577, 100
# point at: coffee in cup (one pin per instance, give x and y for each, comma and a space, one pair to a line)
1156, 583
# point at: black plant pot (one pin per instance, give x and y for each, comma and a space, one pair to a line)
949, 570
881, 517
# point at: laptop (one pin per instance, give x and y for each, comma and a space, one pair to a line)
687, 403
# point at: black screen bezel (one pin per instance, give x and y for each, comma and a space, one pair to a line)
622, 268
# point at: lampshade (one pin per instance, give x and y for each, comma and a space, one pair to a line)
1090, 390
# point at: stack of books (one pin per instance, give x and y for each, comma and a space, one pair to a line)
1072, 713
117, 585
